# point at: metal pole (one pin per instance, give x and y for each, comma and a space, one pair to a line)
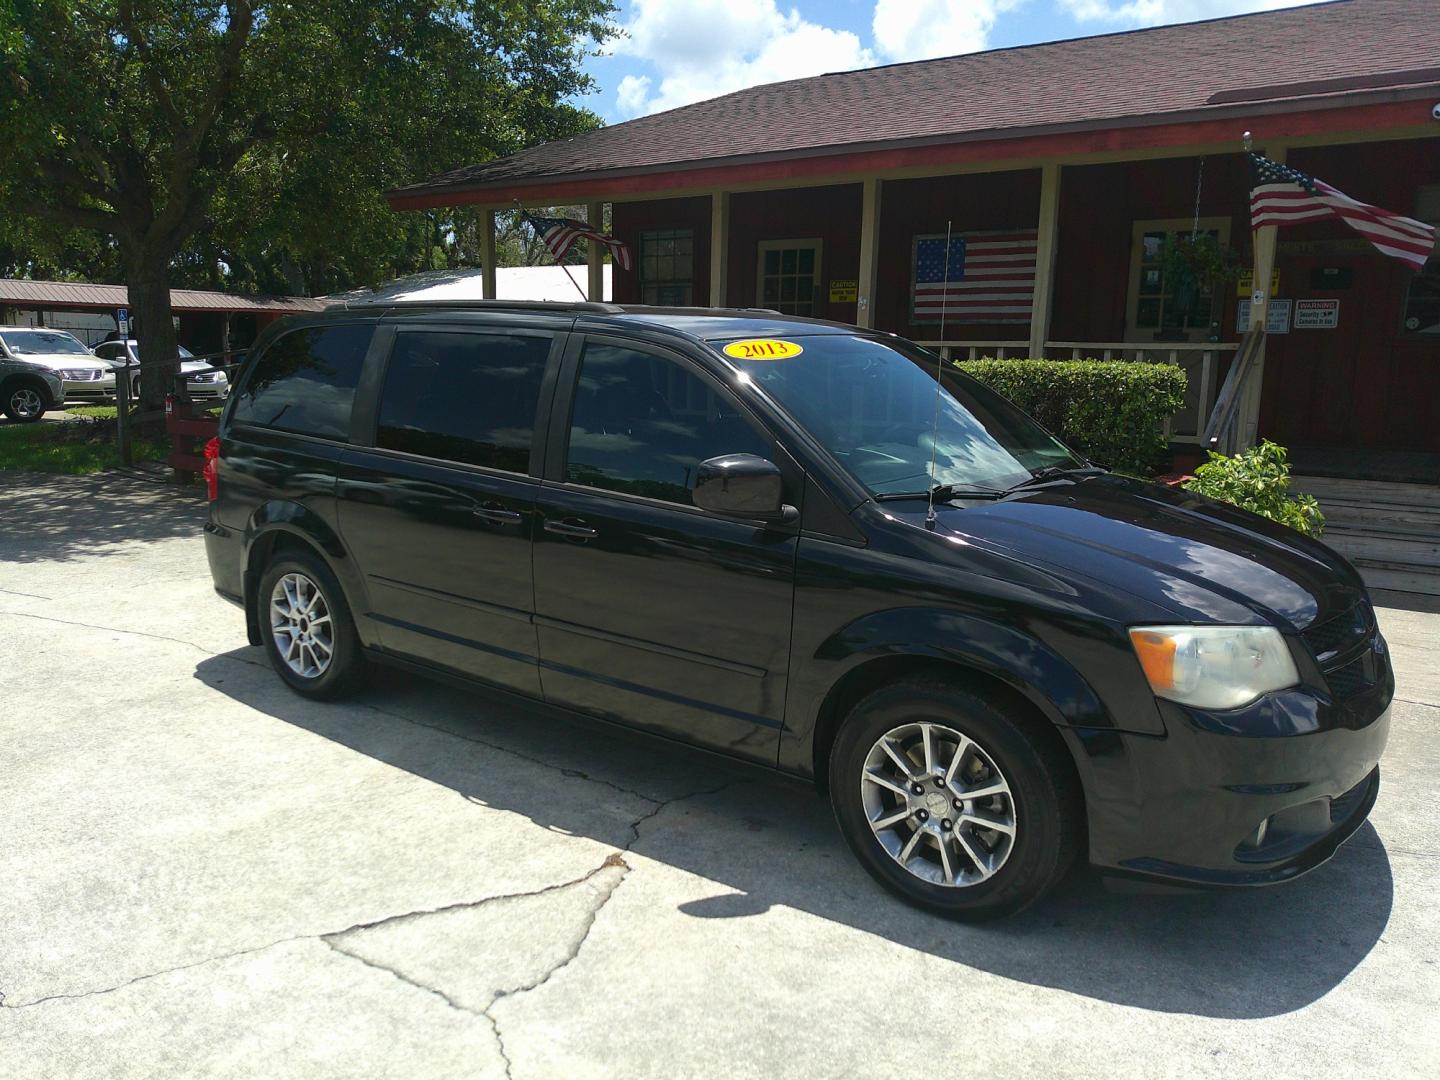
122, 415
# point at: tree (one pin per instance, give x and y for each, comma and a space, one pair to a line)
259, 135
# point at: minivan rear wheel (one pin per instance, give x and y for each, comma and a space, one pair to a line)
306, 627
954, 801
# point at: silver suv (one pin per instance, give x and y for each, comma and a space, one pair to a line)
27, 389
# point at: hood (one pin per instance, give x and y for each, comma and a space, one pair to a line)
66, 362
1205, 561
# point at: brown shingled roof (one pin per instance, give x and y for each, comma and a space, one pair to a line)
83, 294
1199, 69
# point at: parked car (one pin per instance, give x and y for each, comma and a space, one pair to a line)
84, 378
28, 391
814, 547
203, 381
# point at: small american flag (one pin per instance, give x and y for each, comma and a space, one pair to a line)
560, 234
990, 277
1280, 195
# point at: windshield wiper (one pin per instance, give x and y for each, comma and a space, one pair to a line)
1053, 473
942, 492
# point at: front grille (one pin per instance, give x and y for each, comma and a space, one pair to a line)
82, 375
208, 377
1329, 639
1352, 678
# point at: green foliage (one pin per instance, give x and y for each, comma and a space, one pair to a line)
1258, 480
247, 145
74, 449
1112, 411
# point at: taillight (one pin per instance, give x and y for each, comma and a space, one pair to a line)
211, 471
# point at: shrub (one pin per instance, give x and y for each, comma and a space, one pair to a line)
1112, 411
1258, 480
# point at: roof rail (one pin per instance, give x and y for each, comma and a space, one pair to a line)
553, 306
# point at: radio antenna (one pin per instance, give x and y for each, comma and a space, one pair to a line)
939, 366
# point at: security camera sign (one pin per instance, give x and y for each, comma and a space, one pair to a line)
1317, 314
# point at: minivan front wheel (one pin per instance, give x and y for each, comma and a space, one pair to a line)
953, 800
306, 627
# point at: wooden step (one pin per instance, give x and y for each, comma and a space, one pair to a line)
1409, 551
1368, 492
1398, 527
1378, 574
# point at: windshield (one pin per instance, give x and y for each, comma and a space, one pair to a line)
42, 342
874, 408
185, 354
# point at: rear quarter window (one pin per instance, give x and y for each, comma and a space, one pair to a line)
305, 382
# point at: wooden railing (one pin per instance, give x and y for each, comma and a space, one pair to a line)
1202, 361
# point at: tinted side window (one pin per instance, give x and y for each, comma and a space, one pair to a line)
641, 424
305, 381
463, 397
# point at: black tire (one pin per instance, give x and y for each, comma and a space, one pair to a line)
347, 667
1047, 806
20, 398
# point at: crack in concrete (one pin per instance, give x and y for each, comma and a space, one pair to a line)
400, 975
134, 633
31, 595
615, 858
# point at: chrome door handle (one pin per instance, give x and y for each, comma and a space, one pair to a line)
571, 527
498, 514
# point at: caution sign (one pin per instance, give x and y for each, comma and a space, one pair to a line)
763, 349
844, 290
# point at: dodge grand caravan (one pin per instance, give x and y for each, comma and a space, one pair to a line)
813, 547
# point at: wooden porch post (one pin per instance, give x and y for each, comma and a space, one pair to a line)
1047, 231
1264, 244
225, 339
869, 253
487, 254
719, 246
595, 254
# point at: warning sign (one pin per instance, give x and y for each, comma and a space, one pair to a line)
1317, 314
844, 290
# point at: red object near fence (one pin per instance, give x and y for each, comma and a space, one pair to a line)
189, 429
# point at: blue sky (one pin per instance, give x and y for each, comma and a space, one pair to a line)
678, 51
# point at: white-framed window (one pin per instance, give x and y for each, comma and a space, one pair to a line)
1422, 294
1160, 307
787, 276
667, 267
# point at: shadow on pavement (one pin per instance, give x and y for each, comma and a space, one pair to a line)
1239, 954
58, 518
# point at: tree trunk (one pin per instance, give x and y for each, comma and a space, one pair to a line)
148, 278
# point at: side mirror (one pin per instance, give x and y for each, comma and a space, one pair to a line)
742, 485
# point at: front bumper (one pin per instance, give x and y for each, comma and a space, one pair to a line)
1246, 797
90, 390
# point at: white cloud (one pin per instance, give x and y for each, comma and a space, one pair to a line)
1157, 12
924, 29
703, 48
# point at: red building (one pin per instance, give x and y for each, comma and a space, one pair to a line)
825, 195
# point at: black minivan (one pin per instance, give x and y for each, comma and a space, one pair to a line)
815, 547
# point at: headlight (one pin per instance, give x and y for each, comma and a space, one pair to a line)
1214, 667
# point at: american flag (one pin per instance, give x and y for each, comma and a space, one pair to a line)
560, 234
991, 277
1280, 195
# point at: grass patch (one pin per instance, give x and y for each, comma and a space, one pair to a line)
76, 449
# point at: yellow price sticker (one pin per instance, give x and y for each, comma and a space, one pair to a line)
763, 349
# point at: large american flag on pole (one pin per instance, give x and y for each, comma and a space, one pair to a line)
559, 236
1280, 195
990, 277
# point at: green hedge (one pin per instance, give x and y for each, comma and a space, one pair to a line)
1112, 411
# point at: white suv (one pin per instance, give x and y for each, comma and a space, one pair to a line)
201, 380
83, 377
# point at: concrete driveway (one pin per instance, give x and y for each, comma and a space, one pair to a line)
206, 875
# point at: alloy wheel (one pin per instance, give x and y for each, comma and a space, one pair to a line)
26, 403
939, 804
300, 624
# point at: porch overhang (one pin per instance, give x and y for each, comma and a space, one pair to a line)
1394, 112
